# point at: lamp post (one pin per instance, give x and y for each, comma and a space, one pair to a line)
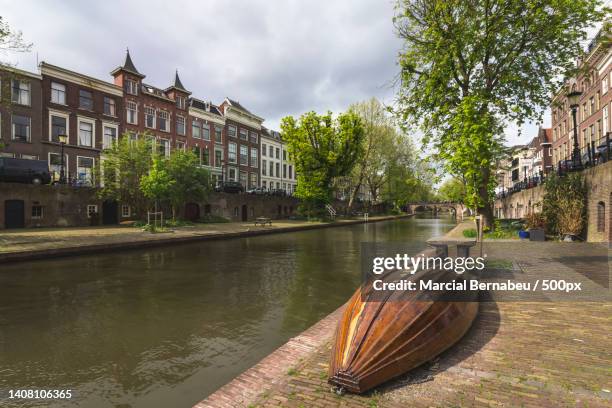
63, 139
573, 97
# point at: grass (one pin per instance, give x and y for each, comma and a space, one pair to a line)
213, 219
292, 372
499, 264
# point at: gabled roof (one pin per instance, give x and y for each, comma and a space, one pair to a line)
128, 66
178, 85
237, 105
205, 106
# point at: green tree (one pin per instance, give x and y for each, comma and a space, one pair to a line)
190, 181
471, 66
157, 184
453, 190
322, 149
122, 168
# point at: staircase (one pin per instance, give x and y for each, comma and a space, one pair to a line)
331, 211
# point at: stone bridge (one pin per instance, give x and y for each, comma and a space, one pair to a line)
457, 209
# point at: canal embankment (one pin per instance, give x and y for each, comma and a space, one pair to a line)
516, 353
43, 243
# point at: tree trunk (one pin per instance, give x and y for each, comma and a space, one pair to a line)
486, 210
352, 198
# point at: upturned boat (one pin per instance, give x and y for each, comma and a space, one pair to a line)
383, 335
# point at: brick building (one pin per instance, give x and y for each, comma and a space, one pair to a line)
243, 129
85, 109
207, 136
20, 114
541, 147
594, 109
160, 114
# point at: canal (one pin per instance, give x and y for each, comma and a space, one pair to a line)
167, 327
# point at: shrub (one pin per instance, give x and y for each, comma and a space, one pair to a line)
470, 233
213, 219
561, 194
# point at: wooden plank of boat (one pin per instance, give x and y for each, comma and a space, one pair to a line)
378, 339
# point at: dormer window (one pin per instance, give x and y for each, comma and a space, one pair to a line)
131, 87
180, 102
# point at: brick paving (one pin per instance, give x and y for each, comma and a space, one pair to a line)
523, 353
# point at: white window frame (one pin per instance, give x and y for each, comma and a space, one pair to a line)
205, 130
29, 135
92, 122
131, 87
229, 151
605, 118
126, 214
90, 207
246, 132
148, 110
254, 158
110, 126
166, 146
29, 90
93, 166
42, 212
218, 165
65, 162
229, 133
246, 148
58, 92
127, 109
196, 124
113, 104
62, 115
178, 119
254, 137
180, 145
166, 114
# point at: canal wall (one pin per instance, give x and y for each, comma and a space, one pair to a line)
599, 203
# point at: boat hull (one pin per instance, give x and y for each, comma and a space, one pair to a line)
379, 339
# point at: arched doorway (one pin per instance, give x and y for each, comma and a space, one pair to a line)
110, 212
245, 216
14, 214
192, 211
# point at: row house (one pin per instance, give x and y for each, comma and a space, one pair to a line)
277, 170
160, 114
595, 104
206, 138
243, 130
84, 109
20, 114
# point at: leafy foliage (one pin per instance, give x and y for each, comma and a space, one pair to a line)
470, 67
322, 149
564, 204
452, 190
157, 184
191, 183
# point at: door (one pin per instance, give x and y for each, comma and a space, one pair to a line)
110, 212
192, 211
14, 214
244, 213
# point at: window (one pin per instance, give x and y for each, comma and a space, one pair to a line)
131, 87
125, 211
37, 211
195, 129
584, 111
254, 158
92, 209
180, 125
232, 174
605, 120
271, 169
180, 102
205, 131
218, 134
180, 146
218, 158
110, 137
592, 103
243, 178
252, 180
243, 134
284, 171
601, 217
263, 167
163, 147
55, 163
85, 100
164, 122
277, 169
205, 157
231, 131
85, 133
132, 112
109, 106
244, 155
284, 154
85, 169
231, 152
290, 171
271, 151
58, 93
264, 184
254, 137
597, 100
21, 128
277, 153
21, 92
263, 149
58, 127
198, 153
149, 116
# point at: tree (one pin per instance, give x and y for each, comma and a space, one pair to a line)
190, 181
471, 66
122, 168
157, 184
322, 149
453, 190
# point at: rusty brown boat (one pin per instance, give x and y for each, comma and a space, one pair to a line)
379, 339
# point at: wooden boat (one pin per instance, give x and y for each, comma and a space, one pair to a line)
379, 339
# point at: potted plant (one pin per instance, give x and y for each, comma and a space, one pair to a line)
570, 218
535, 223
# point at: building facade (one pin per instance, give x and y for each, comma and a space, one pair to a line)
243, 130
594, 107
206, 137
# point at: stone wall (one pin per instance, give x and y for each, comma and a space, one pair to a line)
599, 202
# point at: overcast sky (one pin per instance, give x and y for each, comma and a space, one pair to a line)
278, 58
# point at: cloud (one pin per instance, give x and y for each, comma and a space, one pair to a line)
277, 58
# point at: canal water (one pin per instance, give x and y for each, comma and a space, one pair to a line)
165, 327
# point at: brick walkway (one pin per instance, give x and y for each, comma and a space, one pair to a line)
532, 354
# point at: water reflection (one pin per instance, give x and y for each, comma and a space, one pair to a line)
166, 327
